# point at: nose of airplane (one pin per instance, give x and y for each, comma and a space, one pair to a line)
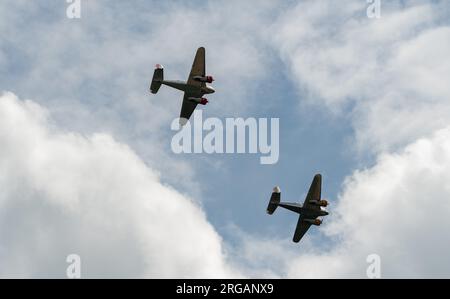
212, 90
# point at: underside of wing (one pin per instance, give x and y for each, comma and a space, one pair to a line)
300, 231
187, 109
198, 68
314, 192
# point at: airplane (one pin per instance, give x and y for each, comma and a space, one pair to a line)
309, 211
194, 89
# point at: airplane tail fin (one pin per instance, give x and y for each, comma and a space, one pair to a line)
274, 200
158, 77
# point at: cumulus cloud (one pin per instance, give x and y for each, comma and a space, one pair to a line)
386, 75
65, 193
110, 53
397, 209
100, 66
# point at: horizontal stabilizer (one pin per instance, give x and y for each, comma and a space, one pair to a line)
158, 78
274, 200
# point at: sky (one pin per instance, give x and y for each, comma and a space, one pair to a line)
86, 165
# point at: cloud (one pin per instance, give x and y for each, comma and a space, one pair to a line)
397, 209
110, 53
85, 193
65, 193
386, 75
96, 70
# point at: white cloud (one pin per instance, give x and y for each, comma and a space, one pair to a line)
112, 51
96, 70
65, 193
390, 71
397, 209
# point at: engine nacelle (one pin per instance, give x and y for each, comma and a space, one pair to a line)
316, 222
323, 203
207, 79
201, 101
320, 203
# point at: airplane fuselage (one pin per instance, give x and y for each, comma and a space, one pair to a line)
299, 209
190, 89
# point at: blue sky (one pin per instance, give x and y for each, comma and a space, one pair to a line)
351, 94
309, 143
311, 140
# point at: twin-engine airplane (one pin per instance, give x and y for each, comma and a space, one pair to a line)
309, 211
194, 89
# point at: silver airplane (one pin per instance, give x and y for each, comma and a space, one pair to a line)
309, 211
194, 88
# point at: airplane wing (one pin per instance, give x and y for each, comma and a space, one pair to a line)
300, 231
198, 68
187, 109
314, 192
